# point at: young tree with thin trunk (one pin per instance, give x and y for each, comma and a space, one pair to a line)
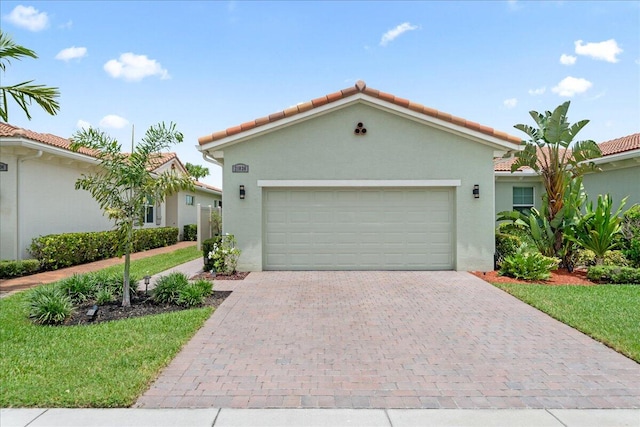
124, 182
23, 93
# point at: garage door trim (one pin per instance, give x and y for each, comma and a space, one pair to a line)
361, 183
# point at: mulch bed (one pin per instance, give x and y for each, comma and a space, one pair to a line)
140, 306
238, 275
558, 277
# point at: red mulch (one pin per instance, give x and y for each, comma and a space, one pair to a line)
558, 277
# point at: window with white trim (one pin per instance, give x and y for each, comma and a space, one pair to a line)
148, 211
523, 199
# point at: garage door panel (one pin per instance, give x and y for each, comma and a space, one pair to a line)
391, 228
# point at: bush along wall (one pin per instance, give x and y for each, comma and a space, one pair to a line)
56, 251
9, 269
190, 233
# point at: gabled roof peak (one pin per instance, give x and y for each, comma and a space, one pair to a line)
359, 87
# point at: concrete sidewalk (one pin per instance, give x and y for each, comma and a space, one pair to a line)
214, 417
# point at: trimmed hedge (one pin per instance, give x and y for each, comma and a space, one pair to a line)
64, 250
614, 274
190, 233
9, 269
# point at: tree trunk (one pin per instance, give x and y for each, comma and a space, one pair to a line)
126, 294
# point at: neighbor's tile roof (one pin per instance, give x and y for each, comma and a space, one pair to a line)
608, 148
360, 87
8, 130
620, 145
207, 186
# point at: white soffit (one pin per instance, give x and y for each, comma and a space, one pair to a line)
360, 183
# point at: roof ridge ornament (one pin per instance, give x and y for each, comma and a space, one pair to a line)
361, 85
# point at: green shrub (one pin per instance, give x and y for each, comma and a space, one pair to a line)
587, 258
225, 255
56, 251
104, 296
506, 245
614, 274
191, 295
112, 283
205, 285
631, 235
49, 305
9, 269
190, 233
167, 288
519, 231
632, 252
208, 247
79, 287
528, 265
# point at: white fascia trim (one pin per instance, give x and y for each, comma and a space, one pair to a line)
46, 148
615, 157
517, 174
360, 183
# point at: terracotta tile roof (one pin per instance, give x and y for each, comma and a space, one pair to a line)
207, 186
608, 148
8, 130
360, 87
620, 145
160, 159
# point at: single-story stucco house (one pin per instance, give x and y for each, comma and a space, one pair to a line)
619, 177
38, 172
360, 180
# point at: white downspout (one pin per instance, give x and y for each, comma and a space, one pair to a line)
18, 204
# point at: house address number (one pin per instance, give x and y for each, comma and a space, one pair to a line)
240, 168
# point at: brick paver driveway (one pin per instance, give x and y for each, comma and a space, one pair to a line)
388, 340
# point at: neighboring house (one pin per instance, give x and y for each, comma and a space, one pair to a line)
38, 173
360, 180
619, 177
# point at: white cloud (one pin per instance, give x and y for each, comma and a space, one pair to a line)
67, 25
133, 68
538, 91
605, 51
570, 86
71, 53
510, 103
568, 59
28, 17
113, 121
392, 34
83, 124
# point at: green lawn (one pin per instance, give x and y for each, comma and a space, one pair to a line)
608, 313
158, 263
104, 365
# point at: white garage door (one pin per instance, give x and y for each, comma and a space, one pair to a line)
358, 229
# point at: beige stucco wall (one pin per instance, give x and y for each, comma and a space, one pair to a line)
187, 214
48, 204
394, 148
620, 182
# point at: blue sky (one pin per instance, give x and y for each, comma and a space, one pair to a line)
211, 65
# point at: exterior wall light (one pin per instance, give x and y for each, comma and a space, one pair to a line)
242, 192
476, 191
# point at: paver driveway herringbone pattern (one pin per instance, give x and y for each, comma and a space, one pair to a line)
389, 340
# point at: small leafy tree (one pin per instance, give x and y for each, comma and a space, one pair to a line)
553, 152
26, 92
196, 171
124, 182
598, 228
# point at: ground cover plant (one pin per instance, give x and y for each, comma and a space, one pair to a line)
607, 313
102, 364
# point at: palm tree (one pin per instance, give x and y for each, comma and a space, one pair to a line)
124, 182
552, 152
23, 93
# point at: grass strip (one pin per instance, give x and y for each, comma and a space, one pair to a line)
607, 313
102, 366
